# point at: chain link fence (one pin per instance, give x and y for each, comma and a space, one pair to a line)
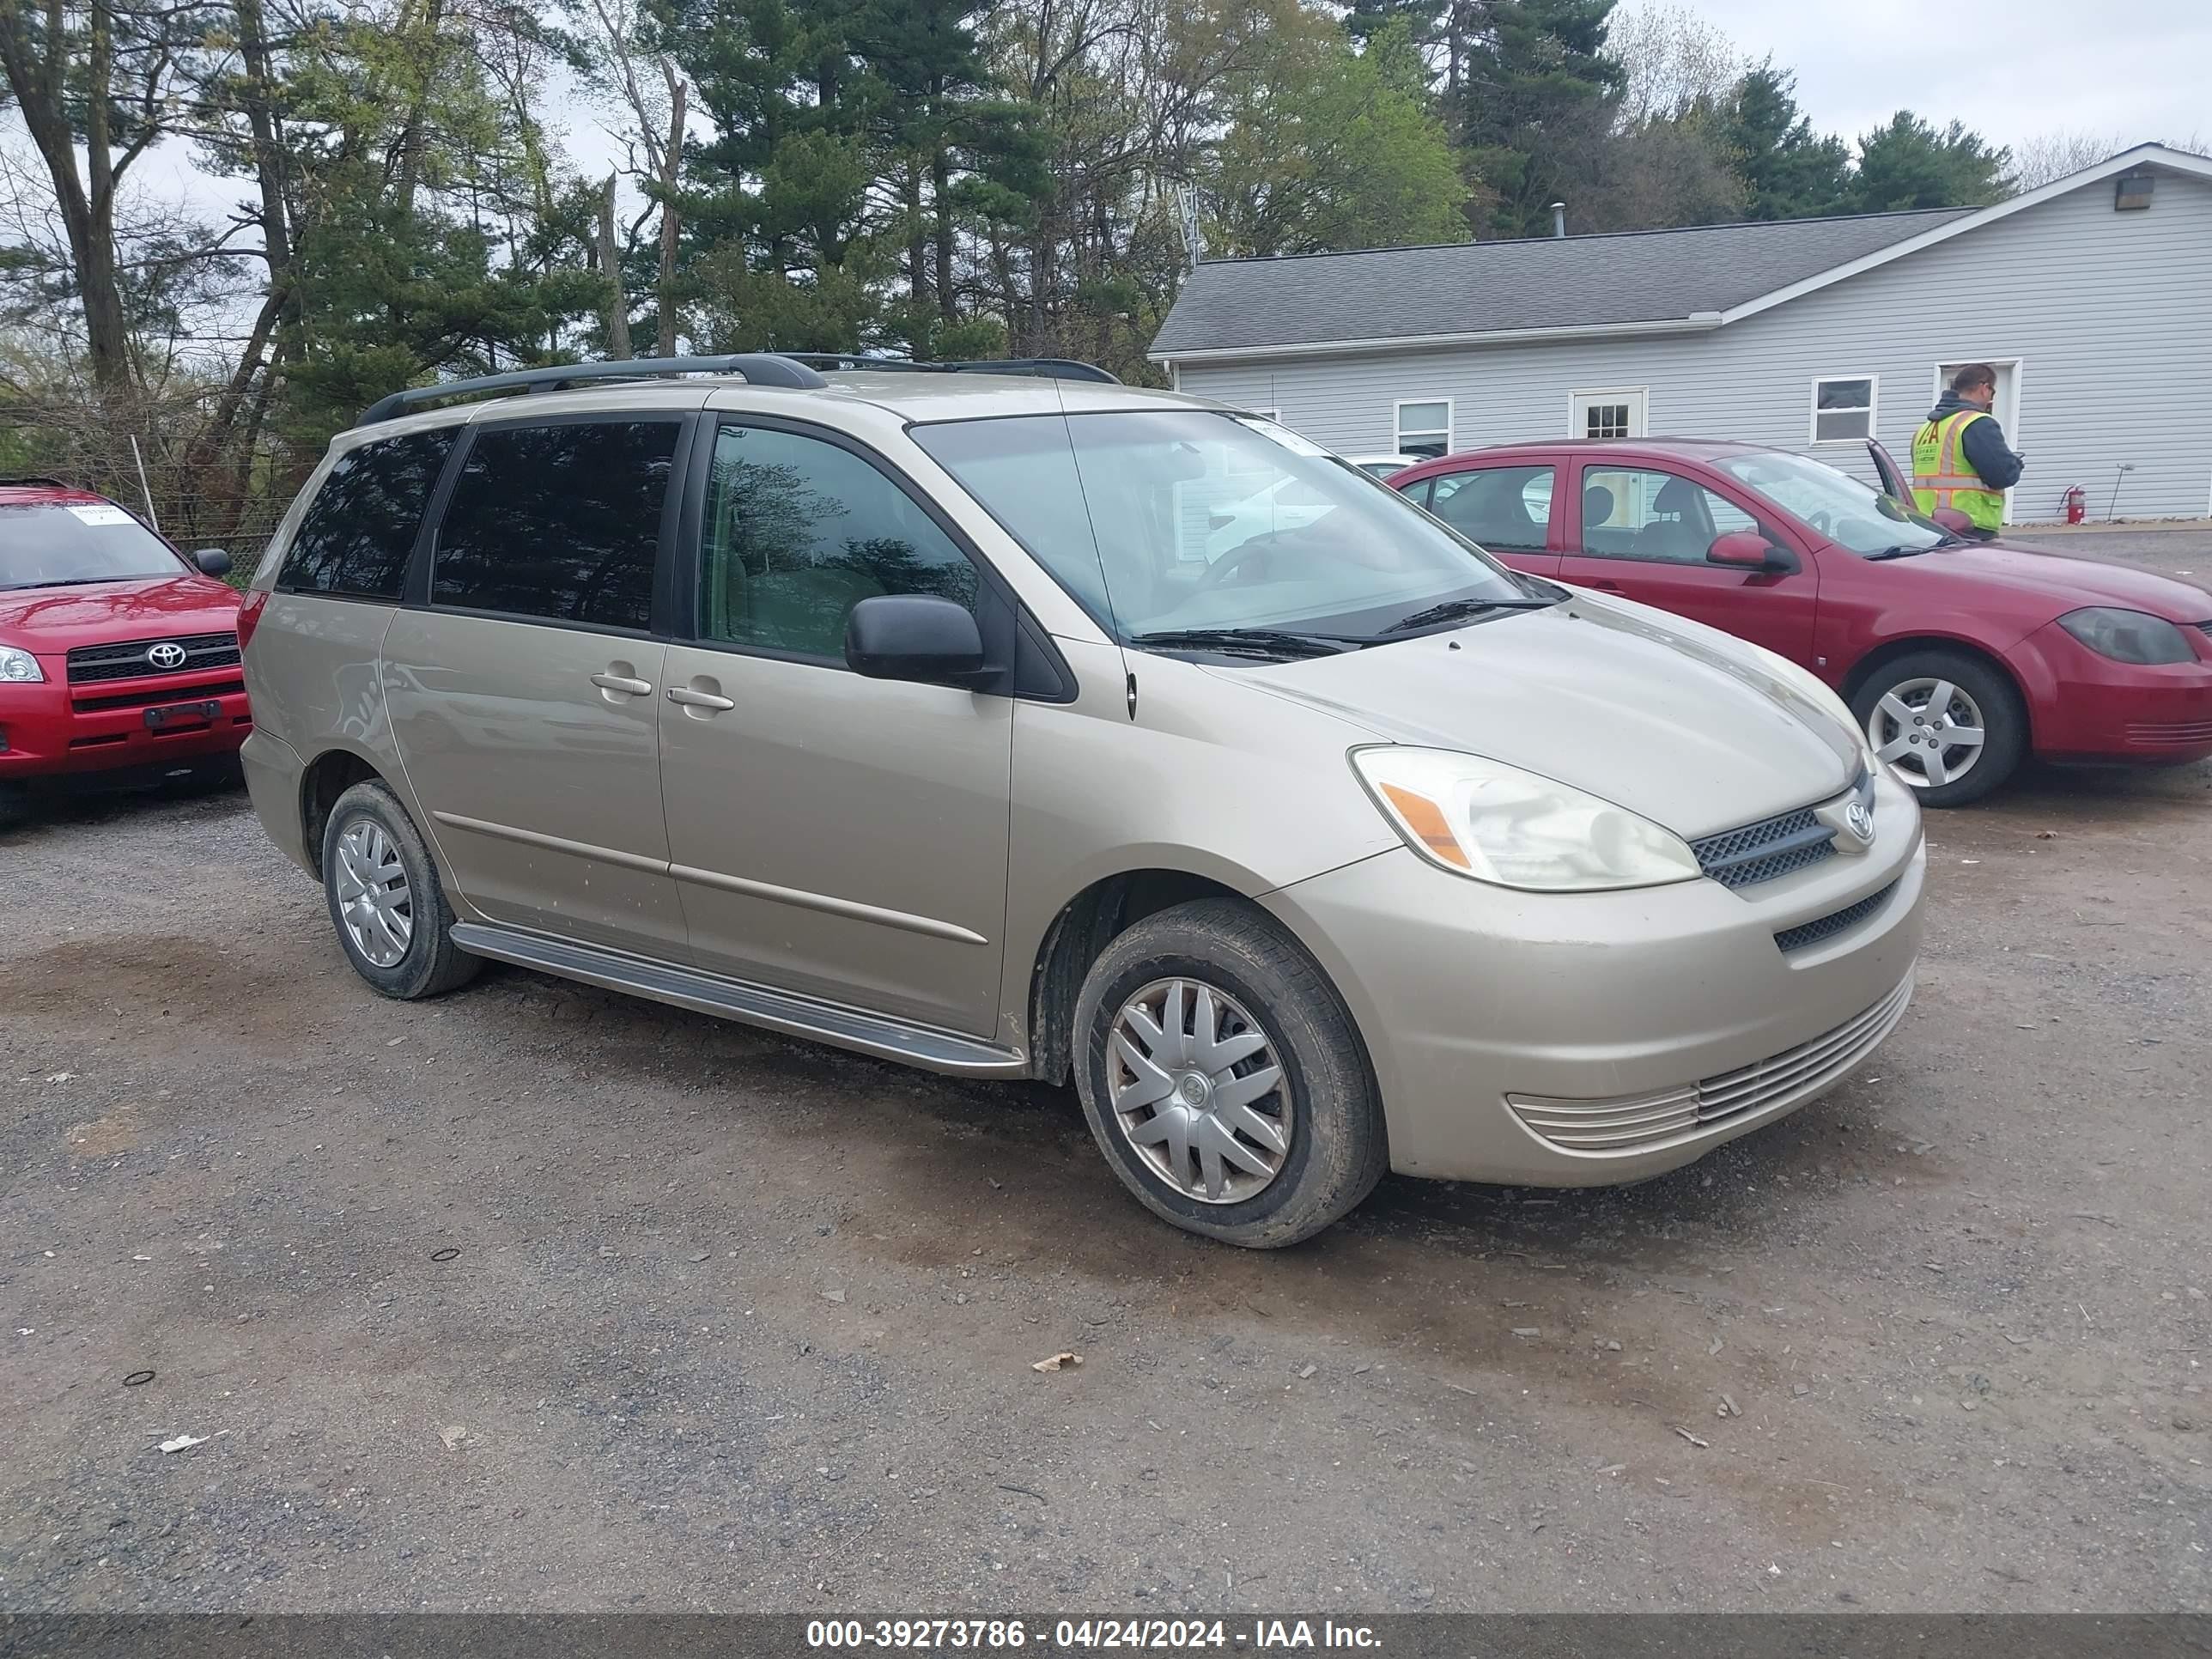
166, 462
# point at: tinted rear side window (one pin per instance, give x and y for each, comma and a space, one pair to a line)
560, 522
360, 529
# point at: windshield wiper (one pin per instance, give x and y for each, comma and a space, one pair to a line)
1453, 609
1908, 552
1259, 641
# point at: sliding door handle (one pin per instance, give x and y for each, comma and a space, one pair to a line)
692, 698
623, 682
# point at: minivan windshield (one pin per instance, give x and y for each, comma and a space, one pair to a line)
1847, 513
62, 545
1174, 522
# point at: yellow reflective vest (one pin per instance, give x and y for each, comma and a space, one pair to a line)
1942, 475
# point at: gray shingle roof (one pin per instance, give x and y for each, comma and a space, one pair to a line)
1481, 288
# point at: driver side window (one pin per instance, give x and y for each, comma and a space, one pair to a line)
799, 531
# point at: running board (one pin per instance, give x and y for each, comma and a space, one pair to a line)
755, 1005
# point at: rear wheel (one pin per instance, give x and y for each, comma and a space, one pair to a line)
1949, 725
1223, 1078
386, 901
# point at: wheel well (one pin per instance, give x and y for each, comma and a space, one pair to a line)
1086, 926
330, 776
1874, 661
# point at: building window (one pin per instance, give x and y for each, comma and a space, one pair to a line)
1424, 429
1843, 409
1605, 421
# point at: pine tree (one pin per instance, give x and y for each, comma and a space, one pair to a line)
1908, 163
1790, 171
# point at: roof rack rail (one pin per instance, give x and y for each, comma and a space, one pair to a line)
759, 367
37, 480
1056, 368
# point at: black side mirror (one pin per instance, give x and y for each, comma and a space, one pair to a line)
212, 561
913, 637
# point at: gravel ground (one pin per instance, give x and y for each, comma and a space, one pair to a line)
724, 1321
2186, 554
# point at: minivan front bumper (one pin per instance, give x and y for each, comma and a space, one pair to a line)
1584, 1039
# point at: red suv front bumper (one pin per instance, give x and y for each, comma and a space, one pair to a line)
105, 709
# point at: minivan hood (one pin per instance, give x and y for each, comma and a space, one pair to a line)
1668, 718
56, 619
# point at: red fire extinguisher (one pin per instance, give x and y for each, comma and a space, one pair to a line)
2077, 504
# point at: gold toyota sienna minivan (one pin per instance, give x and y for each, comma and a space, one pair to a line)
1025, 724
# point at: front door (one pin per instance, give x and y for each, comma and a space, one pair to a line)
838, 836
1643, 532
524, 696
1615, 414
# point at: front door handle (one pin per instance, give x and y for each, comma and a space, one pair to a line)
1606, 586
692, 698
623, 682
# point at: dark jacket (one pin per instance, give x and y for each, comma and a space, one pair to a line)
1984, 444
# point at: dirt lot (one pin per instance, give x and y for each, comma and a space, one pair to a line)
737, 1323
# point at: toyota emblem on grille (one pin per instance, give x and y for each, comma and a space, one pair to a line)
167, 654
1858, 818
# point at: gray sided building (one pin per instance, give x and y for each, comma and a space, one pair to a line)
2092, 296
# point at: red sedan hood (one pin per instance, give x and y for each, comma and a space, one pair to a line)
51, 620
2070, 582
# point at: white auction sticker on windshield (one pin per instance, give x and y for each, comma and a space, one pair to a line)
1283, 436
103, 514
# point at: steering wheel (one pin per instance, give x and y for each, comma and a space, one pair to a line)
1822, 520
1218, 571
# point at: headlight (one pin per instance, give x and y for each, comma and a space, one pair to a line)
2128, 635
18, 667
1499, 824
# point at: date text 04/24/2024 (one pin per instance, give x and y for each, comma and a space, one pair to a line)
1085, 1635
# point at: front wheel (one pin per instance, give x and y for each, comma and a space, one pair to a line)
386, 901
1223, 1078
1948, 726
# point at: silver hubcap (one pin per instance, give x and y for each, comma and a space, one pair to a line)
1197, 1090
374, 903
1928, 730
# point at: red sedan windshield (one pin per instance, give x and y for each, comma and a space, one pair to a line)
61, 545
1839, 507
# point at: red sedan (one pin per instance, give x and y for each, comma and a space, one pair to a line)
118, 655
1959, 657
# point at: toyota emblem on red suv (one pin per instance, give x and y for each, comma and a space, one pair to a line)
167, 655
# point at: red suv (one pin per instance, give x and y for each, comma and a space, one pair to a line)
118, 656
1959, 657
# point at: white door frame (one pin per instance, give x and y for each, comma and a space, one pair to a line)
2009, 419
1638, 399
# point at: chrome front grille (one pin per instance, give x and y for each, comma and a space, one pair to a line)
1773, 847
1633, 1123
130, 659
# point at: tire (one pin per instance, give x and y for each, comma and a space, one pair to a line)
428, 963
1979, 692
1336, 1149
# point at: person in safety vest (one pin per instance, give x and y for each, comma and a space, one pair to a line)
1959, 458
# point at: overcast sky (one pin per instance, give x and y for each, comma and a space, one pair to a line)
2009, 68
